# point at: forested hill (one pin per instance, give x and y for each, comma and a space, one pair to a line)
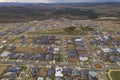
15, 12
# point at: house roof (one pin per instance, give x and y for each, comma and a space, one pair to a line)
93, 73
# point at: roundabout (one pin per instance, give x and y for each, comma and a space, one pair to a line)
98, 66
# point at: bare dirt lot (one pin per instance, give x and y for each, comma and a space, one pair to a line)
2, 69
32, 79
43, 71
30, 50
73, 59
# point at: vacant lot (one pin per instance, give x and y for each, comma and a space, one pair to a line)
73, 60
71, 47
30, 49
2, 69
115, 75
43, 71
32, 79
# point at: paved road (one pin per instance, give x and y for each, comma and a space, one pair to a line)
63, 50
23, 77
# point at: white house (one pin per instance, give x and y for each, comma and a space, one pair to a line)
106, 50
58, 72
5, 54
83, 58
40, 78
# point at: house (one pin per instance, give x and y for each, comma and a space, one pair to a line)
68, 79
1, 46
41, 56
45, 40
75, 72
118, 58
50, 50
12, 55
83, 57
112, 58
116, 43
25, 56
114, 51
69, 42
93, 75
103, 57
55, 57
51, 71
95, 42
32, 57
48, 57
118, 49
16, 69
58, 72
56, 50
72, 53
78, 39
106, 50
9, 76
48, 78
11, 47
5, 54
67, 71
40, 78
35, 71
58, 79
83, 74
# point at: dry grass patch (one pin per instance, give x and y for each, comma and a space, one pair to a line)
82, 52
30, 50
71, 47
29, 40
43, 71
32, 79
73, 60
2, 69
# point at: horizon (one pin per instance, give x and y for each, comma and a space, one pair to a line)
57, 1
53, 2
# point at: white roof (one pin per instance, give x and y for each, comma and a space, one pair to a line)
83, 58
118, 49
106, 37
40, 78
58, 72
106, 49
4, 41
5, 54
93, 74
56, 49
1, 46
78, 39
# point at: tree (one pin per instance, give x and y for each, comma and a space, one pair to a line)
70, 29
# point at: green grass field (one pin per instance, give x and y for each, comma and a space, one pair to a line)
115, 75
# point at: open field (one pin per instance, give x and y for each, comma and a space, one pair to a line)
43, 71
2, 69
58, 31
115, 75
73, 60
30, 50
32, 79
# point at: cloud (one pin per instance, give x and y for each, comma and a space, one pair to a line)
59, 1
42, 1
86, 0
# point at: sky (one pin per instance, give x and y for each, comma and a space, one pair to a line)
59, 1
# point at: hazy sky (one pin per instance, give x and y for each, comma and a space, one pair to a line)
59, 1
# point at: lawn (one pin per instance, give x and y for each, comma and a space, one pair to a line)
115, 75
